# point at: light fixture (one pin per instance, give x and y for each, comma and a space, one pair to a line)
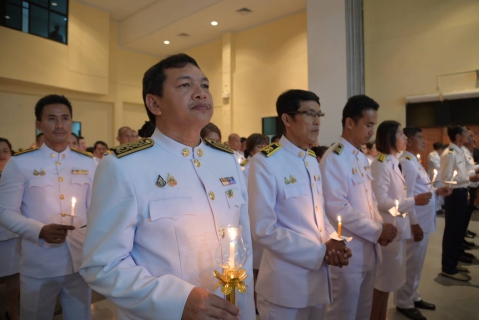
54, 4
166, 42
214, 23
7, 17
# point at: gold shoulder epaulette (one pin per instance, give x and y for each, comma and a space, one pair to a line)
25, 151
381, 157
244, 163
271, 149
88, 154
311, 153
409, 158
218, 145
451, 150
338, 149
132, 147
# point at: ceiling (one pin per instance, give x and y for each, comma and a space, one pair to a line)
145, 24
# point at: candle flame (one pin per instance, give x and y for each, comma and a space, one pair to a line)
339, 218
397, 204
455, 172
435, 171
233, 233
418, 156
74, 200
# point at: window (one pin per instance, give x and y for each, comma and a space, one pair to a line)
44, 18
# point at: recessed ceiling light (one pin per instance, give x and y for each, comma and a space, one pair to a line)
54, 4
166, 42
214, 23
7, 17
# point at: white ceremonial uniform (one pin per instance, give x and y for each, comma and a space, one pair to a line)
257, 249
434, 162
287, 218
348, 193
417, 182
471, 166
163, 206
388, 186
453, 158
36, 189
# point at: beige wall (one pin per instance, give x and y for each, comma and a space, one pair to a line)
409, 44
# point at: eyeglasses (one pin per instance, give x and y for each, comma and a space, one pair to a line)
310, 113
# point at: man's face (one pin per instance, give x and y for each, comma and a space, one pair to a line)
401, 140
234, 141
99, 151
55, 123
125, 136
5, 153
463, 137
82, 145
134, 135
417, 142
363, 129
305, 128
186, 100
73, 142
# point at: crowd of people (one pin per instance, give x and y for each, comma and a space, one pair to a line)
329, 232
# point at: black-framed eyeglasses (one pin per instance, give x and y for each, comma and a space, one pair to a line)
310, 113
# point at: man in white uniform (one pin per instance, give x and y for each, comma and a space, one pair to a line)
423, 222
159, 203
287, 217
434, 162
36, 192
347, 193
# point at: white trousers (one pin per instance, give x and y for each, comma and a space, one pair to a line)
271, 311
352, 295
415, 255
38, 297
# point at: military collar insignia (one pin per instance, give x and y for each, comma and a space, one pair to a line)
132, 147
84, 172
88, 154
451, 150
381, 157
25, 151
338, 149
171, 181
311, 153
227, 181
160, 182
244, 163
218, 146
409, 158
270, 149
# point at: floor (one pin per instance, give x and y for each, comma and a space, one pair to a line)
454, 300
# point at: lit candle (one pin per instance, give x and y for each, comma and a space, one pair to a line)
434, 178
340, 226
454, 174
74, 201
419, 158
233, 235
397, 207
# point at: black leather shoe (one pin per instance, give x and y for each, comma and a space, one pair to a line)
471, 233
464, 259
469, 255
469, 243
412, 313
421, 304
466, 247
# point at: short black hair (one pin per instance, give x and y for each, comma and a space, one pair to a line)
75, 135
356, 106
438, 145
8, 144
320, 150
154, 77
370, 145
254, 140
81, 137
290, 101
100, 142
386, 136
453, 129
210, 127
410, 132
275, 138
51, 99
242, 139
147, 130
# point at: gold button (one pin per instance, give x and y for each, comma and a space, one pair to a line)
211, 195
185, 152
60, 179
62, 197
307, 164
52, 155
316, 208
63, 214
301, 154
63, 156
200, 152
58, 163
197, 163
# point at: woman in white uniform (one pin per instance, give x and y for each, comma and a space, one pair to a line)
10, 249
388, 186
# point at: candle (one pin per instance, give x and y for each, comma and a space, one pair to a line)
233, 235
340, 226
397, 205
434, 178
454, 174
419, 158
74, 201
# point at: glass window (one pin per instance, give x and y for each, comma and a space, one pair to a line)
44, 18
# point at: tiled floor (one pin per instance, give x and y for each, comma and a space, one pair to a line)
454, 300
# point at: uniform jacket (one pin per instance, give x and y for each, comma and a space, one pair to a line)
388, 186
348, 193
287, 218
417, 182
453, 158
36, 189
154, 221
